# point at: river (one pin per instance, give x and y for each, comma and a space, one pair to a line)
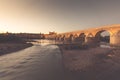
42, 61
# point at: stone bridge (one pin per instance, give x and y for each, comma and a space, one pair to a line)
89, 36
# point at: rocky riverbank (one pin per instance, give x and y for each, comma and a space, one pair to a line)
92, 63
6, 48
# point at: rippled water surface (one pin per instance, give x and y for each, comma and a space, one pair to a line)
39, 62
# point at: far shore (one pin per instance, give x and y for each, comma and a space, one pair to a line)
6, 48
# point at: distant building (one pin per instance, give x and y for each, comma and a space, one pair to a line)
52, 33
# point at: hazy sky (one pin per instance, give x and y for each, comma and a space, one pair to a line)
57, 15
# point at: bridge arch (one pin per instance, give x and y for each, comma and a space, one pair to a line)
63, 38
71, 38
81, 38
89, 38
103, 38
58, 37
75, 37
90, 35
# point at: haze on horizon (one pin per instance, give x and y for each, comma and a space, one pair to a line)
57, 15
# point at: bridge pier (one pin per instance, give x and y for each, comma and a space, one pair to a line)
115, 40
90, 40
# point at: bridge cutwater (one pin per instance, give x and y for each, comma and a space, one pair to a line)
89, 36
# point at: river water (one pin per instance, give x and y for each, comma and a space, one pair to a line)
43, 61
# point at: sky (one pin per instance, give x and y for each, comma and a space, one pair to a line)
35, 16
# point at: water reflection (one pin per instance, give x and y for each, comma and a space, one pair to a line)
105, 45
43, 42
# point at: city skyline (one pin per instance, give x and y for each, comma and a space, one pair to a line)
35, 16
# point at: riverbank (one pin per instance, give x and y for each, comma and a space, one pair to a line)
6, 48
92, 63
